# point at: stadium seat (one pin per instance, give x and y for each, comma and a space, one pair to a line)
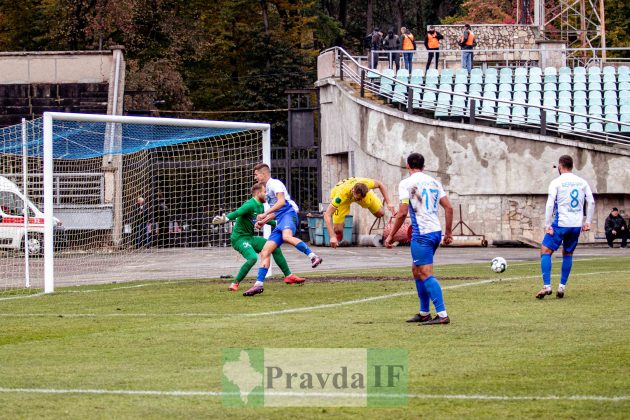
461, 76
373, 75
564, 71
446, 77
595, 98
505, 78
535, 96
624, 109
596, 127
535, 71
550, 86
594, 70
475, 88
503, 114
535, 78
476, 78
611, 128
579, 70
609, 78
476, 72
535, 87
551, 75
520, 97
429, 100
386, 87
416, 101
623, 78
505, 87
623, 70
625, 118
624, 101
491, 70
594, 86
506, 95
400, 94
564, 86
550, 117
432, 76
417, 76
579, 86
446, 87
488, 104
609, 70
518, 114
461, 88
491, 79
564, 78
550, 94
610, 94
580, 127
520, 79
550, 102
579, 118
506, 71
579, 101
520, 71
403, 75
579, 78
624, 85
489, 87
533, 115
594, 78
611, 100
460, 106
564, 102
520, 87
611, 110
443, 105
580, 94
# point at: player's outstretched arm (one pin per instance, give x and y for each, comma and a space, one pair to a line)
399, 219
328, 220
448, 220
378, 184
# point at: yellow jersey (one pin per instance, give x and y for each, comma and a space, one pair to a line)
342, 192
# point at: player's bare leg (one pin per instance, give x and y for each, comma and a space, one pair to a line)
265, 262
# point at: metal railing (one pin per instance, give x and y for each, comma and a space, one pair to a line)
78, 189
349, 68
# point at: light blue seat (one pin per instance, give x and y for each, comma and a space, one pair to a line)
429, 100
417, 77
580, 94
505, 95
535, 71
623, 78
564, 94
535, 87
610, 94
624, 86
386, 87
443, 105
520, 71
491, 79
550, 75
611, 128
460, 106
579, 102
388, 77
416, 101
595, 110
533, 115
578, 86
535, 78
373, 75
476, 78
594, 70
488, 104
624, 109
580, 127
506, 70
579, 78
504, 87
550, 86
432, 76
518, 114
446, 79
579, 118
520, 87
537, 96
564, 86
564, 78
520, 79
461, 88
595, 98
625, 118
505, 78
594, 86
446, 86
520, 97
609, 78
403, 75
564, 103
609, 70
551, 94
461, 76
490, 87
623, 70
550, 102
624, 101
503, 114
611, 100
475, 87
550, 117
611, 109
594, 78
491, 70
476, 72
564, 71
596, 127
400, 94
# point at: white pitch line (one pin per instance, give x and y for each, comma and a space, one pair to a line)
181, 393
21, 296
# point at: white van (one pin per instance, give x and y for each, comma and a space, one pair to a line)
12, 221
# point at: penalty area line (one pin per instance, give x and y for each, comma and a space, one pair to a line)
362, 395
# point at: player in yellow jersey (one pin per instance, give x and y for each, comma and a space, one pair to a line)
353, 190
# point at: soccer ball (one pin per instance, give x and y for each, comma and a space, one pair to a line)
498, 265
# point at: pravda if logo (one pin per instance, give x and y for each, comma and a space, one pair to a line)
314, 377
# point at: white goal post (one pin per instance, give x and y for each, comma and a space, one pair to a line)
111, 146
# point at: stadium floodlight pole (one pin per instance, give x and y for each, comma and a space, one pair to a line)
50, 117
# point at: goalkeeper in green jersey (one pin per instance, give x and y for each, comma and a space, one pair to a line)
247, 243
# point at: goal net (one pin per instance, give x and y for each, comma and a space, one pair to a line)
115, 199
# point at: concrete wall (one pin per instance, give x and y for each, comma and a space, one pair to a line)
500, 177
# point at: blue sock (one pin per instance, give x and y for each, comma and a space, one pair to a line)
262, 273
303, 248
545, 267
435, 292
567, 263
423, 295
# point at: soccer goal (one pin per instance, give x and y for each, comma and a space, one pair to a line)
118, 198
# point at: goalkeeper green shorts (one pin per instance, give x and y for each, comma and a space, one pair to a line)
249, 246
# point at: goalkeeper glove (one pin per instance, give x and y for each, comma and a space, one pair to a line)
219, 220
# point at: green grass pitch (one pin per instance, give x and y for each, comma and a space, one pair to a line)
505, 354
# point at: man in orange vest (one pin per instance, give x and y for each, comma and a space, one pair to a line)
467, 42
432, 43
408, 46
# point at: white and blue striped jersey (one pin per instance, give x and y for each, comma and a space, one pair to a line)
275, 186
565, 203
423, 194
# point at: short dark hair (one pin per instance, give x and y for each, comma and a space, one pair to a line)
467, 26
615, 209
262, 166
360, 189
566, 161
257, 187
415, 161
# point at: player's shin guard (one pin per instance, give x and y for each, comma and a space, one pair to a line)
247, 265
435, 292
423, 295
567, 263
545, 268
303, 248
262, 273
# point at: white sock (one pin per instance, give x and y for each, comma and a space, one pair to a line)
312, 255
442, 314
561, 287
258, 283
424, 313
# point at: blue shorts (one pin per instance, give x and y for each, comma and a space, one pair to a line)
424, 246
567, 236
287, 221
